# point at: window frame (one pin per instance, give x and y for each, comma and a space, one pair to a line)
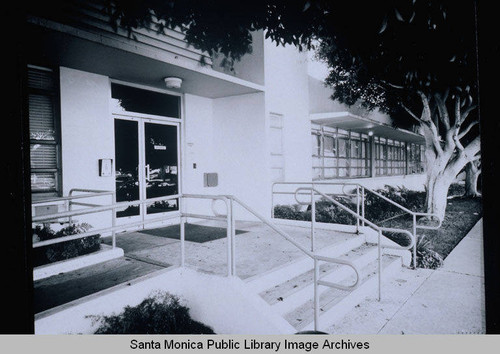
55, 97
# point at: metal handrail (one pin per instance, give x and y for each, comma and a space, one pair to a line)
358, 217
316, 258
359, 186
124, 227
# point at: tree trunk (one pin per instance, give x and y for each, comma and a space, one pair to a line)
438, 183
472, 173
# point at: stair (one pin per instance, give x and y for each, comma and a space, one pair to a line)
289, 290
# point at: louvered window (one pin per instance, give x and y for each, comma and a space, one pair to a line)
43, 100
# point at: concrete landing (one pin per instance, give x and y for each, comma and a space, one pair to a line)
449, 300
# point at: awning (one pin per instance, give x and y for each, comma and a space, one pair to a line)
51, 43
352, 122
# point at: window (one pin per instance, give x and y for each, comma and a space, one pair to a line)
339, 153
43, 102
390, 158
416, 158
276, 147
132, 99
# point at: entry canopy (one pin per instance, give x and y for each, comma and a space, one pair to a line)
126, 60
358, 124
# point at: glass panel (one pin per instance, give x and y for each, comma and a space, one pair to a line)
41, 117
355, 148
161, 165
41, 79
42, 182
329, 145
43, 156
330, 172
315, 144
126, 165
330, 162
342, 147
131, 99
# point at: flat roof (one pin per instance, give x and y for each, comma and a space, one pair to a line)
358, 124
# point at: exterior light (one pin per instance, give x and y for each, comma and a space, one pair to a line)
173, 82
370, 133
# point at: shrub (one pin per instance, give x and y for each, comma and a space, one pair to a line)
289, 212
456, 189
64, 250
326, 212
426, 257
377, 209
160, 313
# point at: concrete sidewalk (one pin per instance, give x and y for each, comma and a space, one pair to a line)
449, 300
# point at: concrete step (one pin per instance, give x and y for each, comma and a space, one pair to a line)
334, 303
267, 280
288, 295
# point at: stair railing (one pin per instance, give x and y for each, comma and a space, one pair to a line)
360, 195
315, 257
313, 192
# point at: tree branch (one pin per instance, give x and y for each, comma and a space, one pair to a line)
413, 115
466, 112
443, 111
427, 119
466, 130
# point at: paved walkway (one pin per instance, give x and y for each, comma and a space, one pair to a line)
449, 300
259, 250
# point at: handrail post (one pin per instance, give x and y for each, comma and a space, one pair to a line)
113, 220
313, 219
182, 226
272, 201
415, 241
379, 265
316, 295
69, 207
228, 237
233, 237
357, 209
363, 205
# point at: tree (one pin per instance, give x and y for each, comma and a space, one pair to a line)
472, 172
414, 59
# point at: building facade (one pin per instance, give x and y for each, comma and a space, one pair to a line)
102, 118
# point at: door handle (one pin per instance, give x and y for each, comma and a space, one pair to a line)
148, 172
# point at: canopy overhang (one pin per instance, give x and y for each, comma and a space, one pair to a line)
54, 44
358, 124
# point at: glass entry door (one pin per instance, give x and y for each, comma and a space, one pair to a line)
146, 167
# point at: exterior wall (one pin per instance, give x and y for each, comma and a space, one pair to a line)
287, 94
240, 149
87, 135
251, 66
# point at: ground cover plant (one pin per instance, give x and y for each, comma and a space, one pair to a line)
159, 313
64, 250
433, 246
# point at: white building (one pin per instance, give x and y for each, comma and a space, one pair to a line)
221, 132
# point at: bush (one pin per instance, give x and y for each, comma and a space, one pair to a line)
326, 212
289, 212
426, 257
160, 313
377, 209
456, 189
64, 250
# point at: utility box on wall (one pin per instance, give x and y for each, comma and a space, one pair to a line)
210, 179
